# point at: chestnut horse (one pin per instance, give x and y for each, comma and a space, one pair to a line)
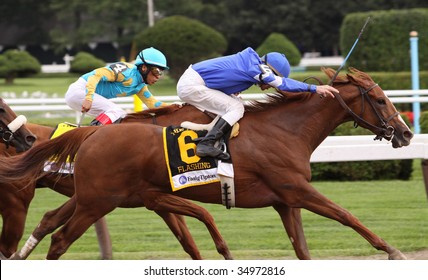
15, 201
297, 122
15, 137
13, 131
14, 204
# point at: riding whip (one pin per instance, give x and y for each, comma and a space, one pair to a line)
349, 53
81, 119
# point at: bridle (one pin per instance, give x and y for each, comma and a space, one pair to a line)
7, 131
6, 134
384, 131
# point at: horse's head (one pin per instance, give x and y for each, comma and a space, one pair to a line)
370, 107
13, 130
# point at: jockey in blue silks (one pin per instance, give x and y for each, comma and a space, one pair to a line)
213, 85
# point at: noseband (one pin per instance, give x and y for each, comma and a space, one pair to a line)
384, 131
6, 134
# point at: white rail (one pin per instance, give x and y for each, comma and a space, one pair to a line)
53, 104
363, 147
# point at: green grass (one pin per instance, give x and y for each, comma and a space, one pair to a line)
394, 210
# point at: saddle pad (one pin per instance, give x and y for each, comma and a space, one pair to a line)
62, 128
185, 168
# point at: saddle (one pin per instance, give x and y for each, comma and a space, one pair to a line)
194, 171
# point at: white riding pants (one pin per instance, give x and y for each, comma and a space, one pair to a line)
76, 94
191, 89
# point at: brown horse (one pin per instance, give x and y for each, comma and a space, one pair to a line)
15, 137
15, 200
15, 204
297, 122
18, 137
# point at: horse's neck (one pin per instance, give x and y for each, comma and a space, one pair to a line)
42, 132
303, 122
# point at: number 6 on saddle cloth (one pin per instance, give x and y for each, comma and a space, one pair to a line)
186, 169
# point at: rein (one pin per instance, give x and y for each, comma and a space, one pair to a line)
385, 131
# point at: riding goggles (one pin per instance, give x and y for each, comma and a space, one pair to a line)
156, 71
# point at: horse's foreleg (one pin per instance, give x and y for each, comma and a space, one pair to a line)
12, 231
319, 204
178, 226
79, 222
292, 221
50, 221
181, 206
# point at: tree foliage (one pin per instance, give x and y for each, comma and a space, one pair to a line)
386, 39
184, 41
80, 22
14, 63
277, 42
312, 25
84, 62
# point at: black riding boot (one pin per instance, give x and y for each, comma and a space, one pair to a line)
206, 148
95, 122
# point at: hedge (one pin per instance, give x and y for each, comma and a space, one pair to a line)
385, 43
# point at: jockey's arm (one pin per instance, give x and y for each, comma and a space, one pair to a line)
284, 84
99, 74
149, 100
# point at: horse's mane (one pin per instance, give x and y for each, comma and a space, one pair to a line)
274, 99
150, 113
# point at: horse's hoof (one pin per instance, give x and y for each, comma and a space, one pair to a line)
15, 256
397, 255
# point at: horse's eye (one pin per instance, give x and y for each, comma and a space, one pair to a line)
381, 101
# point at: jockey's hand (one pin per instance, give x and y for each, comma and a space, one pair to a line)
86, 105
326, 90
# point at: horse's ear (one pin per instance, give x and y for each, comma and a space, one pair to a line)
353, 75
328, 71
358, 77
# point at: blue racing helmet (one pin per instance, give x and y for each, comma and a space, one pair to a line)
151, 56
278, 63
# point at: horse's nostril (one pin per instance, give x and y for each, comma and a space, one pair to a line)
408, 134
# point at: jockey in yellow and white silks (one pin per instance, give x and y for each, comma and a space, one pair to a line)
92, 91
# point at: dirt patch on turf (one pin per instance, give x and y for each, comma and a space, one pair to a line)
418, 255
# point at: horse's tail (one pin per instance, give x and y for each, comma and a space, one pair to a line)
29, 165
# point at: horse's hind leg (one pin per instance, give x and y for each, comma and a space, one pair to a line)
292, 221
50, 221
181, 206
178, 226
319, 204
